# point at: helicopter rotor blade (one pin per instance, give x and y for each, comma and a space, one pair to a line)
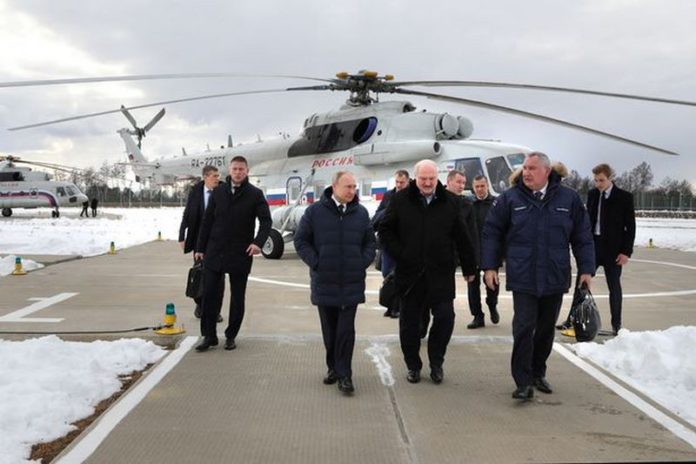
149, 105
130, 117
154, 121
541, 87
527, 114
143, 77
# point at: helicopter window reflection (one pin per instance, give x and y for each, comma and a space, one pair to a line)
70, 190
498, 173
471, 167
516, 160
338, 136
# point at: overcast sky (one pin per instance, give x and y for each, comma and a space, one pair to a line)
631, 46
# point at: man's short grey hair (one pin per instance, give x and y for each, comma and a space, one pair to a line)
542, 156
422, 163
337, 176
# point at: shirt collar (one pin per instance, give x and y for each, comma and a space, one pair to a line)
543, 190
338, 203
607, 192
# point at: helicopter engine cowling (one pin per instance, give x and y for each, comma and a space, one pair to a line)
387, 153
466, 127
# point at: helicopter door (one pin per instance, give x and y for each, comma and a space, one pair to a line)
471, 167
498, 173
293, 189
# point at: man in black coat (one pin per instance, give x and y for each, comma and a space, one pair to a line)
401, 178
482, 204
336, 241
613, 222
421, 227
227, 245
192, 219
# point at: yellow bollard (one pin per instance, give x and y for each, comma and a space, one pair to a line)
651, 244
170, 321
159, 236
112, 249
18, 270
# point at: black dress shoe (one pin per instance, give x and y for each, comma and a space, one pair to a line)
565, 326
205, 344
436, 374
345, 385
394, 314
615, 330
525, 392
387, 313
495, 316
230, 344
330, 378
413, 376
476, 323
197, 312
541, 384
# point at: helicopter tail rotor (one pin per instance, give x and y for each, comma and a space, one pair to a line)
140, 132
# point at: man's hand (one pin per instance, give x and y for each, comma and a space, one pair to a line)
198, 256
622, 259
182, 244
253, 250
585, 279
469, 278
490, 276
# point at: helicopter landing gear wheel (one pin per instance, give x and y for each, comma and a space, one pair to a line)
7, 212
55, 214
274, 246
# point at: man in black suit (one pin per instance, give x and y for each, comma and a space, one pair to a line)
422, 226
192, 219
482, 205
227, 245
613, 221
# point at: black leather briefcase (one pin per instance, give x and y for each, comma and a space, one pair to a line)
194, 283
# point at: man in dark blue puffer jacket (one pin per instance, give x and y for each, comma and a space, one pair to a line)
336, 241
533, 224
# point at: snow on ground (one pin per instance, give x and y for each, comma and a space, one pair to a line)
46, 384
7, 265
658, 363
679, 234
41, 407
25, 233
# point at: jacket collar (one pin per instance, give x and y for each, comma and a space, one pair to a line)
328, 201
439, 195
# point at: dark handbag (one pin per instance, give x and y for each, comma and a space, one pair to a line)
194, 283
388, 292
585, 316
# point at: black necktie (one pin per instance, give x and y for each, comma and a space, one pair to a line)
341, 208
538, 195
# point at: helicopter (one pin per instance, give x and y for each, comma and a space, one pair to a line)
369, 137
21, 187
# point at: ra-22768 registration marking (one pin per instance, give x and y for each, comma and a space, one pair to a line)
217, 161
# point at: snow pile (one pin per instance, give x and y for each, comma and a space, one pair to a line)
656, 363
7, 265
126, 227
679, 234
46, 384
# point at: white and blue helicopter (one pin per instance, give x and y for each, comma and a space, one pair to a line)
369, 137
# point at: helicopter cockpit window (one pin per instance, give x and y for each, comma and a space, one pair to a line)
471, 167
498, 173
60, 191
516, 160
70, 190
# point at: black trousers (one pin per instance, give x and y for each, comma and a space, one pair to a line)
212, 302
474, 295
338, 332
411, 322
532, 333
